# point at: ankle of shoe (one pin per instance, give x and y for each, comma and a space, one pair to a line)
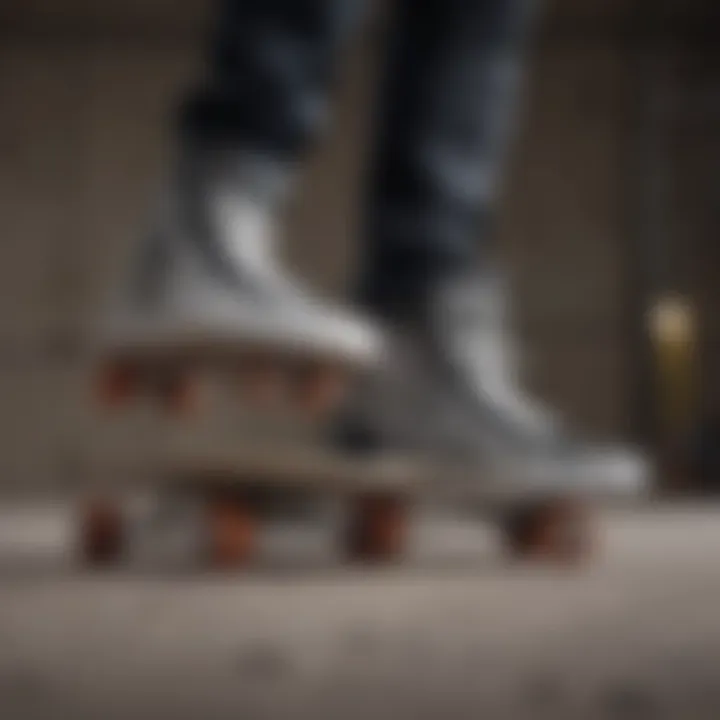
249, 172
404, 292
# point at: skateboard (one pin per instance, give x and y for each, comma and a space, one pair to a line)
175, 376
377, 493
171, 365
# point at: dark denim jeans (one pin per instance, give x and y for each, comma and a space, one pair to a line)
444, 119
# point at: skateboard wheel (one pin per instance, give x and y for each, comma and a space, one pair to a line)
102, 532
232, 532
263, 382
117, 383
319, 389
554, 530
377, 529
180, 395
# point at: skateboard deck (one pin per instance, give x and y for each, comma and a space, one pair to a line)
174, 374
336, 473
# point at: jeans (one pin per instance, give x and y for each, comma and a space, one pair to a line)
445, 116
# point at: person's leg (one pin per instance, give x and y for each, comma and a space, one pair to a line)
262, 103
208, 275
446, 116
270, 65
451, 384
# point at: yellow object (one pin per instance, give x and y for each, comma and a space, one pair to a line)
673, 329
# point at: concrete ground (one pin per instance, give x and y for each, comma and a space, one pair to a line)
453, 633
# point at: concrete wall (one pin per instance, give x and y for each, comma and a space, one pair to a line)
86, 89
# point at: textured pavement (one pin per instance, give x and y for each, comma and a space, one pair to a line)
453, 633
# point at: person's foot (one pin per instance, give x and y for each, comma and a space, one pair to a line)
207, 285
450, 392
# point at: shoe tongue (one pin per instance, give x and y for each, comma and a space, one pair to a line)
243, 171
253, 175
472, 301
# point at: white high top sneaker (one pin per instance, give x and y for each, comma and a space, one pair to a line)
450, 392
208, 281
